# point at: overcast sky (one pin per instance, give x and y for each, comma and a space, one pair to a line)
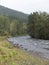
27, 6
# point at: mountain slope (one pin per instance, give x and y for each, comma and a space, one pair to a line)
13, 14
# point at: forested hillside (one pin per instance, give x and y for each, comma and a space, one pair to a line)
12, 22
13, 14
11, 27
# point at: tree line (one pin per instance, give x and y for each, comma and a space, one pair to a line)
11, 27
38, 25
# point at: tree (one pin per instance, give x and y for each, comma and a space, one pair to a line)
38, 25
4, 25
13, 27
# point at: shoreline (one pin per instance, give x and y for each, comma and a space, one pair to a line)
32, 53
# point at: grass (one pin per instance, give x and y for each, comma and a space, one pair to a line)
9, 55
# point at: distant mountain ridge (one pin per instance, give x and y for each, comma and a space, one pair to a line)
13, 14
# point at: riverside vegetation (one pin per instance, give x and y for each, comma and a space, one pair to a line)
38, 25
10, 55
12, 22
15, 24
11, 27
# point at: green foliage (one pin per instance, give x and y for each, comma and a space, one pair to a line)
4, 25
38, 25
11, 27
12, 22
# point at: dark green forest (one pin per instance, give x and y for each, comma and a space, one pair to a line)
12, 22
38, 25
12, 27
15, 23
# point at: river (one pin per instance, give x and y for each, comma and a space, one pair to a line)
31, 44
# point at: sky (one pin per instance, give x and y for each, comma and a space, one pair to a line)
27, 6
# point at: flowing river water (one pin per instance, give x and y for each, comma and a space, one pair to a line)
30, 44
